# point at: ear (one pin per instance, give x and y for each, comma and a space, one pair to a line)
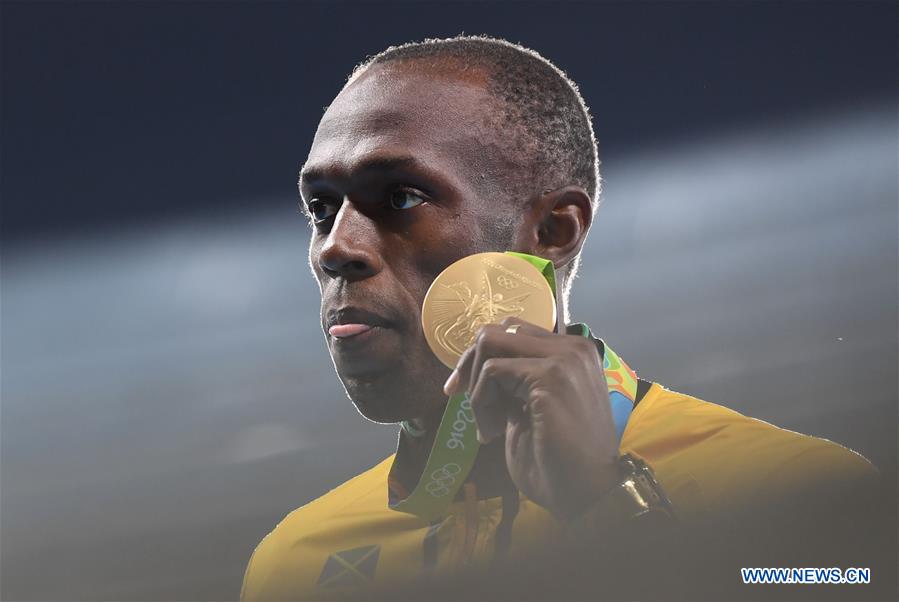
556, 225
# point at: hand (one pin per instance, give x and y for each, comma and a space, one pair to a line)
547, 394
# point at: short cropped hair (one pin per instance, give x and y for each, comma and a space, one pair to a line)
545, 121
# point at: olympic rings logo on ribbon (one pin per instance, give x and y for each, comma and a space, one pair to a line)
442, 479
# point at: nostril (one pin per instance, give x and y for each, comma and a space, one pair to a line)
351, 268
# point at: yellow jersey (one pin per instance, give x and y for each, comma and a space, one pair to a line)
708, 459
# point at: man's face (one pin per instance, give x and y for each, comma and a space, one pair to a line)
394, 181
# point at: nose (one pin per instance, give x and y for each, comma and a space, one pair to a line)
351, 248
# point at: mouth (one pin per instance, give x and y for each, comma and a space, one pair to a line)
345, 331
351, 322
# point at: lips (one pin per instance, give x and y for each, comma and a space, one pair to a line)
348, 322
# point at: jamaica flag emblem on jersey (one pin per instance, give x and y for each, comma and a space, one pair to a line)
350, 568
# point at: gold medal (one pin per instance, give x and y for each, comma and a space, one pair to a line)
483, 289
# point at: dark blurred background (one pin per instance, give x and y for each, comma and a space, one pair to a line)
166, 393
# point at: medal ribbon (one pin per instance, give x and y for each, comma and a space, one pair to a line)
456, 445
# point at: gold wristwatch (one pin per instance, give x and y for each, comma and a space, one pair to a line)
637, 494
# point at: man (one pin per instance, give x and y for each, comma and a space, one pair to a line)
433, 152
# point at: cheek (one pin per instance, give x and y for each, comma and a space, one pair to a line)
444, 241
413, 266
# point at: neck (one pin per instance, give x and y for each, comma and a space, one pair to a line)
561, 323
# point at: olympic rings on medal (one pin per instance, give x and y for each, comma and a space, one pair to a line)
506, 282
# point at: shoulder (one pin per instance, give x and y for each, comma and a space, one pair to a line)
713, 458
333, 503
308, 528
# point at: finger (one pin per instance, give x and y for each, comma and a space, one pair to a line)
523, 326
492, 341
509, 325
496, 341
502, 389
460, 376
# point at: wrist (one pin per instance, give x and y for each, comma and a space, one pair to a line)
592, 489
635, 497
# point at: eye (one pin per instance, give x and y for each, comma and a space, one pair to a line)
405, 199
322, 210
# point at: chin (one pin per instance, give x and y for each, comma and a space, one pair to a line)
379, 413
387, 398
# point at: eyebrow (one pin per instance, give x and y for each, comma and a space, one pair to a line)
315, 173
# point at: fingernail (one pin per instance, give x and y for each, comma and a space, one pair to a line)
481, 439
450, 383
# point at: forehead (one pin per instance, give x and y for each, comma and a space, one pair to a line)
440, 117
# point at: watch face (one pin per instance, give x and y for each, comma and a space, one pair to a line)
644, 485
636, 496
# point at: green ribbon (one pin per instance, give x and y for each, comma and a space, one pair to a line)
452, 457
456, 444
544, 265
